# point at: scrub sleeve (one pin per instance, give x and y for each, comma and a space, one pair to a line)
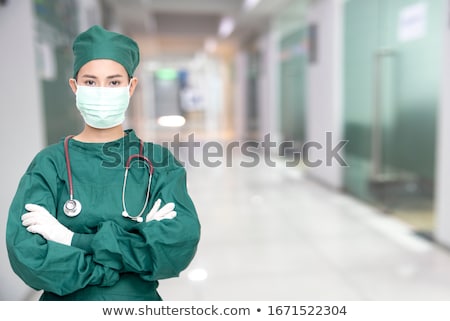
111, 257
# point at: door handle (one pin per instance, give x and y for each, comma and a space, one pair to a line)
377, 130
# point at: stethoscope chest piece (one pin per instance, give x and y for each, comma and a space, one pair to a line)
72, 207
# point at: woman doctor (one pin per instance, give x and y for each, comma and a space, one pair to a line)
121, 238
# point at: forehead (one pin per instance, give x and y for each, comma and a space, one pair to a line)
102, 68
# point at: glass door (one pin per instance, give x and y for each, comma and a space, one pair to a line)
391, 82
293, 66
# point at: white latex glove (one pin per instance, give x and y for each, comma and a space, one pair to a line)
39, 220
157, 214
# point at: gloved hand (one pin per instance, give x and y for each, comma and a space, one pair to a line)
157, 214
39, 220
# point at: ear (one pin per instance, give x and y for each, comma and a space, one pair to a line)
133, 84
73, 85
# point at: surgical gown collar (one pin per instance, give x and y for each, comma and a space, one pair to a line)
129, 138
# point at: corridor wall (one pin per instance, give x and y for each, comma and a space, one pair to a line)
323, 90
442, 225
23, 127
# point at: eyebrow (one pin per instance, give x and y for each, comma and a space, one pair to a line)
109, 77
114, 76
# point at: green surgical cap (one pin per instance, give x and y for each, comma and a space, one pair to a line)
98, 43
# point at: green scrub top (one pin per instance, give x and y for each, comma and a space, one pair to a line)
111, 257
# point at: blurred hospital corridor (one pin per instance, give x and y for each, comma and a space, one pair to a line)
271, 234
315, 135
268, 233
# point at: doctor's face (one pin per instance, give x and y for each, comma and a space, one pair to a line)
103, 73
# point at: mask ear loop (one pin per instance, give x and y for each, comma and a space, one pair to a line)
129, 86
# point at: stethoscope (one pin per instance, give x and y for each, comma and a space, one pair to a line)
72, 207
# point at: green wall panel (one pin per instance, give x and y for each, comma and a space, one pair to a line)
57, 26
293, 85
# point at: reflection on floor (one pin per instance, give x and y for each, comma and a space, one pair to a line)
411, 201
419, 220
270, 233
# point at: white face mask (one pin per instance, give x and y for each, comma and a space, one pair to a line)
103, 107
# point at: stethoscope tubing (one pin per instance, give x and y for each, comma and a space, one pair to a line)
75, 207
69, 170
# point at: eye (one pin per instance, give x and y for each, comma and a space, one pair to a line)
89, 83
115, 83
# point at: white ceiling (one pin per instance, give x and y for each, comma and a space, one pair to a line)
189, 18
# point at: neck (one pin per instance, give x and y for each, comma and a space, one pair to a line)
95, 135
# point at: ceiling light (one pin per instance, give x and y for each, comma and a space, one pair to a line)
198, 275
226, 27
250, 4
171, 121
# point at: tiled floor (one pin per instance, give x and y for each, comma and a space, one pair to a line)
274, 234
